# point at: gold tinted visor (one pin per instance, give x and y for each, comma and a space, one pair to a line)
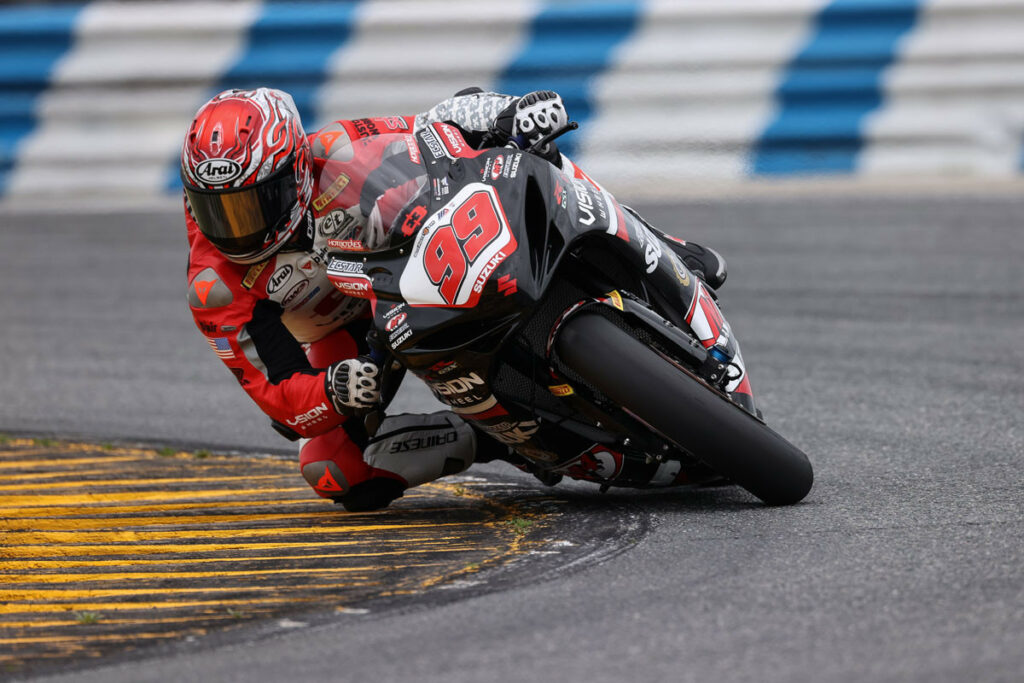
241, 220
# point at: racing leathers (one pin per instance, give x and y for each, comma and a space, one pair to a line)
278, 325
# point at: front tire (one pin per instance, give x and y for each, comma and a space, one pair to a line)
684, 410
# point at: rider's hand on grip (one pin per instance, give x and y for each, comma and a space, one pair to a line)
538, 114
353, 385
527, 120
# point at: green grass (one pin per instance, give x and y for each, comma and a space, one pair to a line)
518, 525
86, 618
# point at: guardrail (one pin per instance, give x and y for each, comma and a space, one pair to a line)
94, 98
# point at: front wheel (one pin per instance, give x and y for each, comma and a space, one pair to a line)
684, 410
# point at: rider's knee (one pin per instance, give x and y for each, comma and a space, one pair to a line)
326, 478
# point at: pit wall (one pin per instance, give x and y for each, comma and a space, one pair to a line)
95, 97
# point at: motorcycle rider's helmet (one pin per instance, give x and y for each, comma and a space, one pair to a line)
247, 171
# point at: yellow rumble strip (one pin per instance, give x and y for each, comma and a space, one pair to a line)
105, 549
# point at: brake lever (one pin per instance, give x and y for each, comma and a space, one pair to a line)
540, 144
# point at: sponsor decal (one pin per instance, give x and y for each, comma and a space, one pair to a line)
414, 149
584, 202
344, 266
346, 245
395, 343
221, 346
559, 194
417, 442
337, 223
481, 279
228, 328
279, 278
239, 374
452, 139
207, 327
414, 219
615, 299
441, 187
294, 293
561, 390
353, 287
513, 168
366, 127
218, 171
395, 322
253, 274
207, 290
328, 139
680, 270
499, 162
395, 123
394, 310
307, 265
332, 191
327, 482
398, 330
311, 416
432, 143
459, 385
202, 289
508, 285
511, 433
444, 367
651, 246
452, 258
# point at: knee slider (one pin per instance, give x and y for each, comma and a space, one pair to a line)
372, 494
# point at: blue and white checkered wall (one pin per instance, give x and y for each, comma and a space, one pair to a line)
95, 97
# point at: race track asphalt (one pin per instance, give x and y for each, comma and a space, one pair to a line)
884, 336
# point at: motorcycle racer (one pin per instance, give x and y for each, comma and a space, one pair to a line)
262, 207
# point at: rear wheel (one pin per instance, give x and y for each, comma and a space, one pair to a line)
684, 410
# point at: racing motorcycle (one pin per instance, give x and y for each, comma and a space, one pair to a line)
557, 321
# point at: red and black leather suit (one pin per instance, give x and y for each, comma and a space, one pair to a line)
279, 323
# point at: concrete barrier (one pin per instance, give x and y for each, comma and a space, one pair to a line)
94, 98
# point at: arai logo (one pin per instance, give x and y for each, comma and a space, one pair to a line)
218, 171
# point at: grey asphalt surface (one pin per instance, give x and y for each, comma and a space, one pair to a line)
884, 336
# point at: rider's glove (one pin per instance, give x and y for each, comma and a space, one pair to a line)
353, 385
530, 118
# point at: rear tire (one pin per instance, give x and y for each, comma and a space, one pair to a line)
684, 410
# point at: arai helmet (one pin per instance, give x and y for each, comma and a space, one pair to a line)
247, 171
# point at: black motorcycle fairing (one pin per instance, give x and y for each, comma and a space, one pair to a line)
470, 312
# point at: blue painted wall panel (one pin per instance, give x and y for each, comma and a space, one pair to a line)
32, 40
831, 85
569, 45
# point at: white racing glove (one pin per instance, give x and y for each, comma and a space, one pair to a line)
528, 119
538, 114
353, 385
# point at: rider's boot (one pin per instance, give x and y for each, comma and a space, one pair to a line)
704, 262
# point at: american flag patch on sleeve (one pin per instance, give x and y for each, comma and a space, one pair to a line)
221, 346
